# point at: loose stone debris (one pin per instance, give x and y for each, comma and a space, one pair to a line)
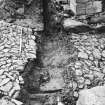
17, 45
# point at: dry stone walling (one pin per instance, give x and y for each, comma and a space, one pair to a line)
17, 44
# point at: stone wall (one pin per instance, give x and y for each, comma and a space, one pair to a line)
17, 45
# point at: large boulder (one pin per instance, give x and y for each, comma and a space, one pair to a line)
93, 96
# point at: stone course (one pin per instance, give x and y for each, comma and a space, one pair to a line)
17, 45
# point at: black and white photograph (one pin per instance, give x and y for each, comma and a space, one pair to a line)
52, 52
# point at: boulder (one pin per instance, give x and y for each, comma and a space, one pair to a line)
76, 26
93, 96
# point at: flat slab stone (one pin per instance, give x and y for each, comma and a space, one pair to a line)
93, 96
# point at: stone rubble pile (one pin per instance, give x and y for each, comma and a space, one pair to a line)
17, 45
89, 67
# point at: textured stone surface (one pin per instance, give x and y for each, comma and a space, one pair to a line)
93, 96
17, 45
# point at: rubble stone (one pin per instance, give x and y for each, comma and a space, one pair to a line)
78, 72
97, 53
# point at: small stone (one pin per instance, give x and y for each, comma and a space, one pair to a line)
103, 53
31, 42
31, 55
17, 81
9, 61
83, 55
1, 71
3, 76
1, 47
18, 62
102, 46
86, 71
7, 87
96, 63
21, 79
78, 72
4, 81
16, 86
87, 82
20, 68
9, 76
74, 85
88, 52
16, 94
80, 86
11, 92
89, 76
84, 37
98, 74
77, 64
103, 70
97, 69
89, 63
76, 94
5, 101
16, 102
33, 37
6, 50
80, 80
96, 53
91, 57
2, 63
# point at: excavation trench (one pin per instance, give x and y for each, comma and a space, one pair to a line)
63, 62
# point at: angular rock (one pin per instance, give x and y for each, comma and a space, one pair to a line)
78, 72
16, 102
78, 64
97, 53
103, 53
1, 72
103, 70
98, 74
80, 80
80, 86
76, 94
83, 55
4, 81
7, 87
87, 82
